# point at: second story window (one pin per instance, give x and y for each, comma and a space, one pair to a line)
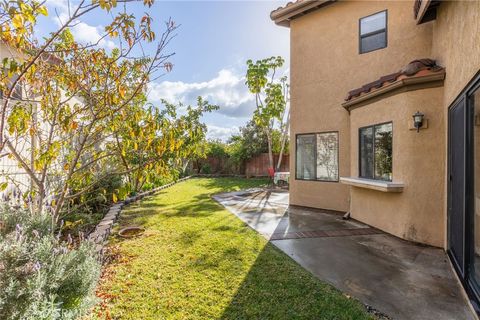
373, 32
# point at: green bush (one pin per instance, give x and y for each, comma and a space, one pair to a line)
99, 196
42, 277
83, 214
205, 169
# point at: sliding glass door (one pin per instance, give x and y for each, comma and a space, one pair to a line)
456, 185
474, 239
464, 187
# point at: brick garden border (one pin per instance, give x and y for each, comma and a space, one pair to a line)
103, 229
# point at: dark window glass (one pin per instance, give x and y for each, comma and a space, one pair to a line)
366, 152
376, 152
373, 32
475, 103
305, 166
317, 156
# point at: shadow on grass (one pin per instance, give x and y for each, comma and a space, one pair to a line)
137, 217
276, 287
201, 206
227, 184
247, 277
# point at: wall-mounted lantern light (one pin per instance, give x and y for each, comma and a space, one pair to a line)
418, 120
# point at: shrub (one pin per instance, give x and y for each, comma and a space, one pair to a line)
206, 169
83, 213
99, 196
42, 277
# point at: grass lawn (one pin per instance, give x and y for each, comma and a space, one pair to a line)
198, 261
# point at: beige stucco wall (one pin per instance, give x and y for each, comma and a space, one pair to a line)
325, 65
417, 213
456, 45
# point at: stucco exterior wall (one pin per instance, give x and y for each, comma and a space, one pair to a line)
417, 213
326, 64
456, 46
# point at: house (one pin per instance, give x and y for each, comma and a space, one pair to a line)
15, 182
385, 111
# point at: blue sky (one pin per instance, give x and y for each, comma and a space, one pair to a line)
211, 47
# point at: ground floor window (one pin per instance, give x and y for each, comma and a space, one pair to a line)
375, 151
317, 156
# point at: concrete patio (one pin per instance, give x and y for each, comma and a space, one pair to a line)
396, 277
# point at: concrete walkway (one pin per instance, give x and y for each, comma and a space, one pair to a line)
398, 278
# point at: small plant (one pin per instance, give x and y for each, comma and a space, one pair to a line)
84, 212
206, 169
42, 277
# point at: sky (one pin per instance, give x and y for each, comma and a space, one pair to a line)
212, 44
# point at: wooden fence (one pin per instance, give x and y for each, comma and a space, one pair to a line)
258, 166
255, 167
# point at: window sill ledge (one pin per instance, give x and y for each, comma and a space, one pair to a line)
383, 186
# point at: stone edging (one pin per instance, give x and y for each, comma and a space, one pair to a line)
103, 229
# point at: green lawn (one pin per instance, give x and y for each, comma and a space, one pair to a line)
198, 261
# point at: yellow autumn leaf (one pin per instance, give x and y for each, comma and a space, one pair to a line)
43, 10
114, 197
121, 91
17, 21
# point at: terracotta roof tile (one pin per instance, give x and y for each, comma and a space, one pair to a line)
288, 4
416, 68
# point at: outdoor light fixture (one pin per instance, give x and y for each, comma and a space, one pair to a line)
418, 120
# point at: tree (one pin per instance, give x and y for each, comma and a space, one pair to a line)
151, 140
270, 96
75, 97
284, 126
252, 141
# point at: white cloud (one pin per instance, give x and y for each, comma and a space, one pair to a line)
60, 5
88, 34
227, 89
82, 32
222, 133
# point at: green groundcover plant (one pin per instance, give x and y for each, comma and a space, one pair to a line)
41, 276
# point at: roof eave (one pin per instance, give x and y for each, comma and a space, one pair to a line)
283, 16
407, 84
427, 11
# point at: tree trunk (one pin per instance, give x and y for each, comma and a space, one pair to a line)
270, 152
185, 165
284, 140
